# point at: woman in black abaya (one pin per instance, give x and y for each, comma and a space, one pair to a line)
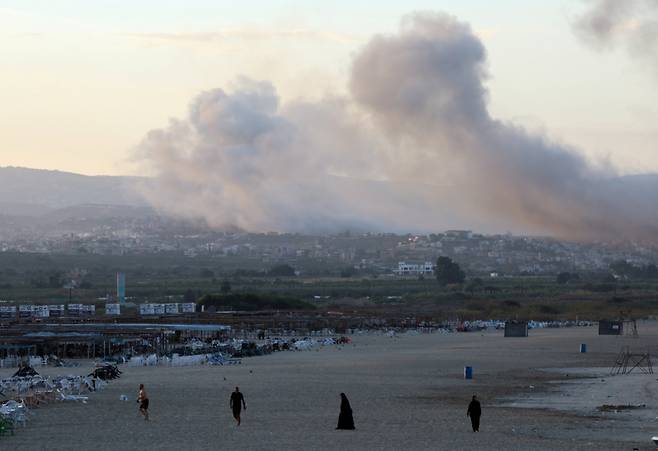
345, 419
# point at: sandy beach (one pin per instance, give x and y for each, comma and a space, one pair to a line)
407, 393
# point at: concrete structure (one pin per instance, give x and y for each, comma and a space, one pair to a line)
113, 309
414, 269
516, 328
459, 234
607, 327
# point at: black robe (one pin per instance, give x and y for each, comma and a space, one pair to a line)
345, 419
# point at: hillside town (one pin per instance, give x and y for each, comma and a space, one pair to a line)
350, 252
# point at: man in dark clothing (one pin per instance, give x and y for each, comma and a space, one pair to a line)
236, 403
474, 411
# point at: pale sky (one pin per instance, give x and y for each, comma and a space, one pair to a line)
81, 82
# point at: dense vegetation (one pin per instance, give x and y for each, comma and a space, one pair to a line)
623, 289
447, 271
251, 302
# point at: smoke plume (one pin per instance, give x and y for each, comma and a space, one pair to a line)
413, 147
630, 23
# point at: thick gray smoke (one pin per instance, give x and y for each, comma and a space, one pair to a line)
631, 23
413, 144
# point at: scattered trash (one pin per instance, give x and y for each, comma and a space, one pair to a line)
36, 390
219, 359
26, 371
620, 407
53, 360
106, 371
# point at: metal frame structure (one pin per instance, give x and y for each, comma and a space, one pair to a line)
627, 361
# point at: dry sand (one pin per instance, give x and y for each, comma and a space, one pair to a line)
407, 393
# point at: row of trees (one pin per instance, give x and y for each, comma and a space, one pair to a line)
253, 301
449, 272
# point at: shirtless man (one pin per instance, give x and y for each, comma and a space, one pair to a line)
236, 403
143, 401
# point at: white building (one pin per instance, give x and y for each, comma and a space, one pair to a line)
414, 269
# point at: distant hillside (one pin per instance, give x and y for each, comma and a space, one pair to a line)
98, 212
31, 191
55, 200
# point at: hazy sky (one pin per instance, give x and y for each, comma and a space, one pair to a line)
81, 82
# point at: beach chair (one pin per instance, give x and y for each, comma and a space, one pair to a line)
76, 398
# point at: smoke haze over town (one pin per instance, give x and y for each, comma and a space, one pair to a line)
416, 120
409, 138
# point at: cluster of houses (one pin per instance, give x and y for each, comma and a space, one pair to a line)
367, 252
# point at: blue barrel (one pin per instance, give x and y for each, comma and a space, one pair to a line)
583, 348
468, 372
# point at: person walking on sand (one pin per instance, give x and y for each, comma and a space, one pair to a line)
236, 403
345, 419
474, 411
143, 401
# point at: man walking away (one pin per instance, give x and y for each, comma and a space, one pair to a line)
474, 411
236, 403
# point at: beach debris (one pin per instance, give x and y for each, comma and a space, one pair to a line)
13, 413
195, 344
106, 371
25, 371
53, 360
35, 390
123, 398
144, 360
619, 407
75, 398
219, 359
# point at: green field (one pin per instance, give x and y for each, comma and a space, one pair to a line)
43, 278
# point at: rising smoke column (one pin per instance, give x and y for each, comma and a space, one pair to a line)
424, 86
417, 112
631, 23
242, 159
